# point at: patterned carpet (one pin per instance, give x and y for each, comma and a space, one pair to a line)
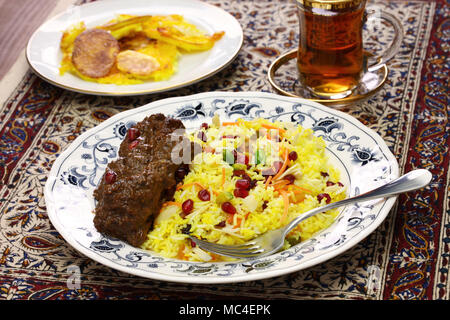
409, 251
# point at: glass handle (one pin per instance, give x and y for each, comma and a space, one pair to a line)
396, 42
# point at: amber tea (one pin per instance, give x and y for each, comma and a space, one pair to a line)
330, 53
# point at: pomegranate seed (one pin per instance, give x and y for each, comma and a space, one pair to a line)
193, 244
330, 183
221, 224
264, 205
322, 196
292, 155
133, 144
240, 193
187, 207
324, 174
204, 195
110, 177
290, 178
204, 125
228, 208
246, 177
202, 136
243, 183
238, 173
340, 184
133, 134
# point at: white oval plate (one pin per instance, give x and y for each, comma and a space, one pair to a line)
362, 156
44, 56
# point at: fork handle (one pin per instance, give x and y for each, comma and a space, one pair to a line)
413, 180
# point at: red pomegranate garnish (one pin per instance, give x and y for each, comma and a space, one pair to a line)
290, 178
221, 224
110, 177
243, 183
204, 195
293, 156
228, 208
133, 134
325, 196
238, 173
187, 207
240, 193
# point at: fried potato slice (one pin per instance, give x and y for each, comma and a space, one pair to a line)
125, 25
136, 63
94, 52
135, 42
175, 30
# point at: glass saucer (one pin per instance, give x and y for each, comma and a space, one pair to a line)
284, 79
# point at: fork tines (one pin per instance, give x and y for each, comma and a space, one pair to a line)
246, 250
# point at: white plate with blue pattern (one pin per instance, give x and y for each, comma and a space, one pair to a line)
363, 157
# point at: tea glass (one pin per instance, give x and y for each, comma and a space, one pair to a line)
331, 59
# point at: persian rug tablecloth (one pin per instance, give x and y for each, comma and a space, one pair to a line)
409, 251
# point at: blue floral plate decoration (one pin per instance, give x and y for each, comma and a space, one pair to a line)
362, 156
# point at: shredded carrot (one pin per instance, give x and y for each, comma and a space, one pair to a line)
301, 188
223, 176
230, 218
268, 126
286, 205
283, 168
198, 184
171, 203
238, 223
190, 185
215, 257
268, 181
239, 220
230, 124
280, 183
280, 189
180, 254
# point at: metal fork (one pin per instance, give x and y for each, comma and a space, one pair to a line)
272, 241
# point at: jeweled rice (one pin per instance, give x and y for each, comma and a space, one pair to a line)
270, 202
